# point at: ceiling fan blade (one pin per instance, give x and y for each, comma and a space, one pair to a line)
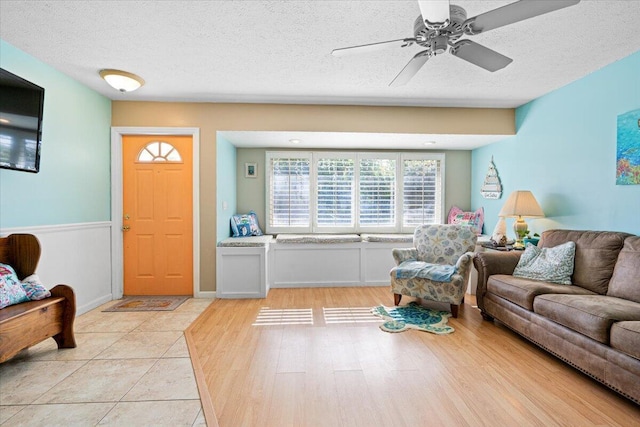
515, 12
372, 47
410, 69
480, 55
434, 11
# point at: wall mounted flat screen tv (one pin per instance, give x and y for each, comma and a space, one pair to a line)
21, 105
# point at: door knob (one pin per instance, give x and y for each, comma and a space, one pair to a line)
125, 228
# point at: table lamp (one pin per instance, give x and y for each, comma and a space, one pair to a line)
521, 204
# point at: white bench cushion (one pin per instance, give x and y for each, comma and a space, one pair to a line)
318, 238
251, 241
388, 238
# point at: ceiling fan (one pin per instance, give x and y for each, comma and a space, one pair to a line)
441, 25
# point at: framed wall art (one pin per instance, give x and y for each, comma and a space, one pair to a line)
250, 170
628, 149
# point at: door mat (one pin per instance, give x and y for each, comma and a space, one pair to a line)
413, 316
149, 303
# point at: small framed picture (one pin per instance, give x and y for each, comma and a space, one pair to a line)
250, 170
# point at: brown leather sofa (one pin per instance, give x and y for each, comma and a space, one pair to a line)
593, 324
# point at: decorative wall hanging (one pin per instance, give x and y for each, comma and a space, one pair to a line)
491, 188
250, 170
628, 150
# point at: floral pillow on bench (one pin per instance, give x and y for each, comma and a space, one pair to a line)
13, 291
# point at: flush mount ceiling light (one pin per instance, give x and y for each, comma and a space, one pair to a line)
295, 141
121, 80
427, 143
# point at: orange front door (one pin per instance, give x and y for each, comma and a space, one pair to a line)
158, 215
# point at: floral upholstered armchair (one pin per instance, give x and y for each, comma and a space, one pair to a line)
438, 266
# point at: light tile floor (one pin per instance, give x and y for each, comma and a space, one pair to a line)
129, 369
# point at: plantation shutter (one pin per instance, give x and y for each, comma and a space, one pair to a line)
377, 187
335, 192
289, 192
421, 192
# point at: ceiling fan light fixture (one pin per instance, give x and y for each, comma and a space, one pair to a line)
122, 81
435, 14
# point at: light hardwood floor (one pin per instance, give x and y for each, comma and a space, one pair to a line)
353, 374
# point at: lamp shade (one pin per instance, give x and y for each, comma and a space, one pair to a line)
521, 203
121, 80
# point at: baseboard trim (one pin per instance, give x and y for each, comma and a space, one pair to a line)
93, 304
205, 294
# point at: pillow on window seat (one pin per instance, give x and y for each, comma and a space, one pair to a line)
474, 219
245, 225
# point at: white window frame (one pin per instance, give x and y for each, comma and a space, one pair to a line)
377, 229
439, 208
314, 157
268, 181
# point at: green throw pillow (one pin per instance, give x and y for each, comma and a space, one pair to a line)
553, 265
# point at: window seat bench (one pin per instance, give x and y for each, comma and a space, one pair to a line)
247, 267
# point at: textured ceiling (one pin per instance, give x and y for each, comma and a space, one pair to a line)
279, 51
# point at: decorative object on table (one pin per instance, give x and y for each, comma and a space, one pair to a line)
413, 316
491, 188
243, 225
499, 235
628, 149
250, 170
521, 204
460, 217
533, 240
149, 303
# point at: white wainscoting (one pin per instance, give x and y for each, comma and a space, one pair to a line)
249, 272
242, 272
78, 255
303, 265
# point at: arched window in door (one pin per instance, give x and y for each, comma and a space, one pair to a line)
159, 151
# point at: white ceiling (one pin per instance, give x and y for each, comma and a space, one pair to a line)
279, 51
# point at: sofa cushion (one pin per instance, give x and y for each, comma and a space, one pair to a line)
522, 291
590, 315
625, 282
596, 255
625, 336
553, 265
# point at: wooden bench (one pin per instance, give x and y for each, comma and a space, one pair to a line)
28, 323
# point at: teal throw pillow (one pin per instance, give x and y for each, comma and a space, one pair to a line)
554, 265
245, 225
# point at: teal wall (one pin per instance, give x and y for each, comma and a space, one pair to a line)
565, 153
73, 185
226, 186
